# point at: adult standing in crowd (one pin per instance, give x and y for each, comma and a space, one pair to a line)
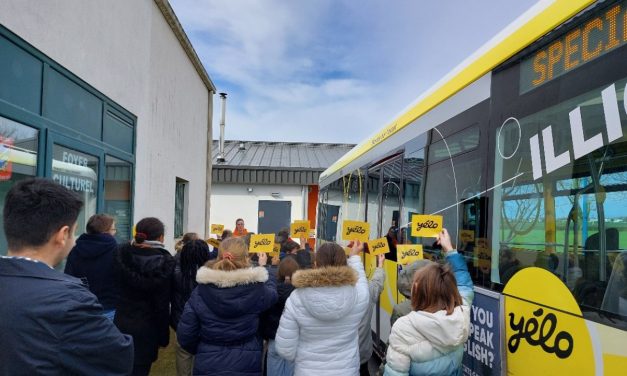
375, 286
430, 339
145, 269
51, 323
319, 327
221, 319
92, 260
194, 254
240, 229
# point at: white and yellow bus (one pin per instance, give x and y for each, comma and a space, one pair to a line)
523, 150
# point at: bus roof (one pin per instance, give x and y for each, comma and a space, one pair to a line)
526, 29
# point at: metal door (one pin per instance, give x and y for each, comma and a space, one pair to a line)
273, 215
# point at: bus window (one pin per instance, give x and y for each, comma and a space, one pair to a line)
343, 199
452, 189
390, 205
413, 174
563, 206
374, 181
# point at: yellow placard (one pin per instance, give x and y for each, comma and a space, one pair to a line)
299, 229
276, 247
217, 229
408, 253
483, 257
213, 242
426, 225
355, 230
466, 236
378, 246
273, 254
261, 243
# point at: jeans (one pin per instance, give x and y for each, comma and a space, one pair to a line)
110, 314
278, 366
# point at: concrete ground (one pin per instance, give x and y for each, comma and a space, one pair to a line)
165, 364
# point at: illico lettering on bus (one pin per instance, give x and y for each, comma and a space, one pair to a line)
581, 146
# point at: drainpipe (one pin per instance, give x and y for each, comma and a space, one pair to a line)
209, 163
222, 124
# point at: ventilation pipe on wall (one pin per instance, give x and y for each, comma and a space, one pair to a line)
222, 124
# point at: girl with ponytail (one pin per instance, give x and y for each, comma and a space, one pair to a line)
220, 321
193, 255
144, 271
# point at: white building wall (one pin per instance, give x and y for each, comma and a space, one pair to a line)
232, 201
126, 50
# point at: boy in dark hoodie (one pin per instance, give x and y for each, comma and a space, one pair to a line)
92, 258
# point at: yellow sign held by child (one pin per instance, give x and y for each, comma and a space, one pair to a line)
426, 225
217, 229
261, 243
355, 230
408, 253
378, 246
300, 229
215, 243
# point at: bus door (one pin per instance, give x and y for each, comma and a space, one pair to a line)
384, 209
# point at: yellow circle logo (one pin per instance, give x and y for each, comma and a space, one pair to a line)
544, 328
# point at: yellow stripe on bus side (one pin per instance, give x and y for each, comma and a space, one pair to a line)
553, 15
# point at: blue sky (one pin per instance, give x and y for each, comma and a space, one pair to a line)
331, 70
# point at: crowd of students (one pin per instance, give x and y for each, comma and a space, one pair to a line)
304, 313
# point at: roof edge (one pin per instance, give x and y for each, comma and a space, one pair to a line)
170, 17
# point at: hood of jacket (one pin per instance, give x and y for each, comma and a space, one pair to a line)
444, 332
93, 246
327, 293
145, 268
231, 293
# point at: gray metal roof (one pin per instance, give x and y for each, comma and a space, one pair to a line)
264, 162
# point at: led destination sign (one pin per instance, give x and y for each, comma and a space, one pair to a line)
601, 34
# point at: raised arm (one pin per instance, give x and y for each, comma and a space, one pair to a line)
460, 269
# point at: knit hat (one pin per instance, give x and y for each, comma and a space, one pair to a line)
406, 276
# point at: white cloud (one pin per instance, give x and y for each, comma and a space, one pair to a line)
331, 70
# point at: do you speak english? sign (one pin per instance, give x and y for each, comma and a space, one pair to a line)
482, 350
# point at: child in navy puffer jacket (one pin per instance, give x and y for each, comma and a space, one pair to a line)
221, 319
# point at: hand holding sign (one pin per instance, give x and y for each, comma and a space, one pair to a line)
357, 247
444, 240
380, 260
261, 243
263, 259
355, 230
426, 225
